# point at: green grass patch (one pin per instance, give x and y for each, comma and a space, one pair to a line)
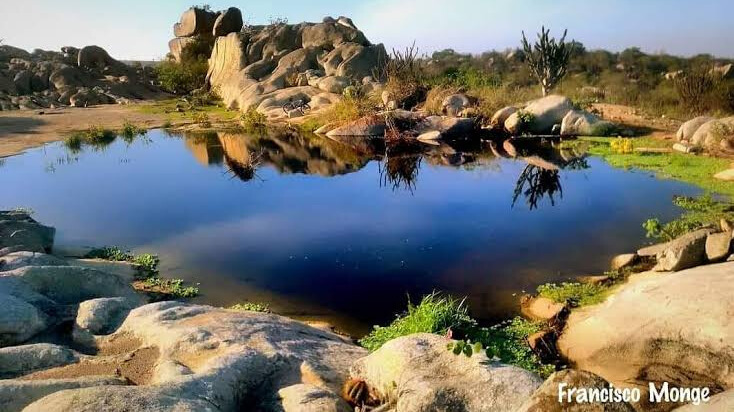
507, 341
169, 288
253, 121
147, 262
693, 169
434, 314
574, 293
130, 131
698, 212
251, 307
445, 315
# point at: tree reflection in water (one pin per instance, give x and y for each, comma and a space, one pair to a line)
400, 172
244, 171
540, 183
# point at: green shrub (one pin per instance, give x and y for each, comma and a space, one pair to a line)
434, 314
251, 307
130, 131
173, 288
202, 119
253, 121
147, 262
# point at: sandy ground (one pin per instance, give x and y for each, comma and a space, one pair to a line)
657, 127
25, 129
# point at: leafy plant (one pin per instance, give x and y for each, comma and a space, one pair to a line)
547, 58
202, 119
253, 121
130, 131
251, 307
170, 287
147, 262
507, 342
434, 314
622, 145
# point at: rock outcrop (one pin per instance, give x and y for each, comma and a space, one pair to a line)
421, 375
673, 327
266, 67
76, 77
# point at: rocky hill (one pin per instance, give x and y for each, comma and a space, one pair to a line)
264, 67
71, 77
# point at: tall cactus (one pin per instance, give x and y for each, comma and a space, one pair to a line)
547, 58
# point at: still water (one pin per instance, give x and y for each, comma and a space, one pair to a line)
323, 231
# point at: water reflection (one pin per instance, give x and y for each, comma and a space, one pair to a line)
398, 168
319, 246
400, 172
540, 183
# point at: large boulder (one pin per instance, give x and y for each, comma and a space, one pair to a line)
546, 398
19, 229
370, 126
118, 399
66, 284
309, 398
19, 320
675, 327
545, 113
684, 252
67, 77
229, 21
449, 127
27, 358
195, 21
16, 394
246, 67
103, 315
710, 134
176, 46
228, 355
329, 35
95, 57
454, 105
500, 116
419, 374
688, 129
17, 260
583, 123
353, 60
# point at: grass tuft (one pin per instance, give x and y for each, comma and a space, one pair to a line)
434, 314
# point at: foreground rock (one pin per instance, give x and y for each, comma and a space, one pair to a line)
581, 123
684, 252
19, 230
421, 375
545, 399
671, 327
226, 357
71, 77
544, 113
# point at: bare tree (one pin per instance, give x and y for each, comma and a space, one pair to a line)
547, 58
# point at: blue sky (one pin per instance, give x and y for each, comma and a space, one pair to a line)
140, 29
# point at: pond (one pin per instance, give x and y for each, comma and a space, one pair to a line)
320, 230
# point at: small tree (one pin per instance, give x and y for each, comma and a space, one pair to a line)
547, 58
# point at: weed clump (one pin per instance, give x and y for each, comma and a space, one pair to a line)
251, 307
434, 314
253, 121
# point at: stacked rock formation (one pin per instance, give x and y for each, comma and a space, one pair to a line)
265, 67
199, 24
72, 77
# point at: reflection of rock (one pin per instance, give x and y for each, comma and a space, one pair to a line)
206, 148
285, 152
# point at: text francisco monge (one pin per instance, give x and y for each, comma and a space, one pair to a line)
658, 393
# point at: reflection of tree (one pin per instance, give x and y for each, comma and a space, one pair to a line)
540, 183
243, 170
579, 163
400, 172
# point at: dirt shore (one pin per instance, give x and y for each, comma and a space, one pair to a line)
24, 129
